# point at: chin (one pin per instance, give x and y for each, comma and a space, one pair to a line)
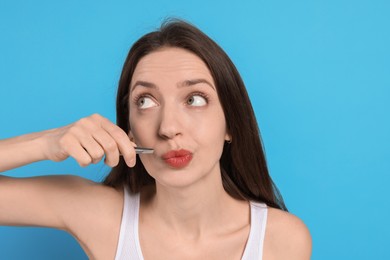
176, 179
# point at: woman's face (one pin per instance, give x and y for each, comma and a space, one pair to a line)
174, 109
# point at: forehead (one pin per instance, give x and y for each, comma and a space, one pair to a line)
172, 61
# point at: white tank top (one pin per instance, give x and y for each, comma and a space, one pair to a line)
130, 248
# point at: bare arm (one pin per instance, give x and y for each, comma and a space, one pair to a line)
90, 211
86, 140
39, 201
19, 151
52, 201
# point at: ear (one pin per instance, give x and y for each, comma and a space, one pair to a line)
228, 138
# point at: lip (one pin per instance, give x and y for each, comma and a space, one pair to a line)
177, 158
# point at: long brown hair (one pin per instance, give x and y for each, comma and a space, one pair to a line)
243, 166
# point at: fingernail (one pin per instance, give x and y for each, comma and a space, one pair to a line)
132, 162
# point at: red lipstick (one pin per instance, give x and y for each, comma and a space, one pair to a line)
177, 158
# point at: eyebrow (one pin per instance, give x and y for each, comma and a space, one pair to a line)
143, 84
191, 82
186, 83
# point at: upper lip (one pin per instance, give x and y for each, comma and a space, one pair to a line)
175, 153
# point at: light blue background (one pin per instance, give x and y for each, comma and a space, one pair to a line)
318, 73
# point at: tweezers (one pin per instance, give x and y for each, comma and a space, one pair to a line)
139, 150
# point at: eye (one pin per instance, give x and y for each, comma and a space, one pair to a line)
145, 102
197, 100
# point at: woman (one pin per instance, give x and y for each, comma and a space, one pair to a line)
204, 193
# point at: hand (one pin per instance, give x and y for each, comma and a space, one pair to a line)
88, 141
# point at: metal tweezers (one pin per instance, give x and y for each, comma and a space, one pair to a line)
139, 150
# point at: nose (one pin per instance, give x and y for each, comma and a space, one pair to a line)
170, 125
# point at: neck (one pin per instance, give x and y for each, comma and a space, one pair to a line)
198, 209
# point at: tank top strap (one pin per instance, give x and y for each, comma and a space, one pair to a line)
128, 243
254, 245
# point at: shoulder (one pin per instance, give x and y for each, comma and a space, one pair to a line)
76, 189
88, 189
88, 210
73, 200
89, 198
286, 236
93, 215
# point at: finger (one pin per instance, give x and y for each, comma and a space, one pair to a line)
93, 148
109, 146
125, 146
90, 129
76, 150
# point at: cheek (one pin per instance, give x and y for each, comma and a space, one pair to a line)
142, 129
209, 130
